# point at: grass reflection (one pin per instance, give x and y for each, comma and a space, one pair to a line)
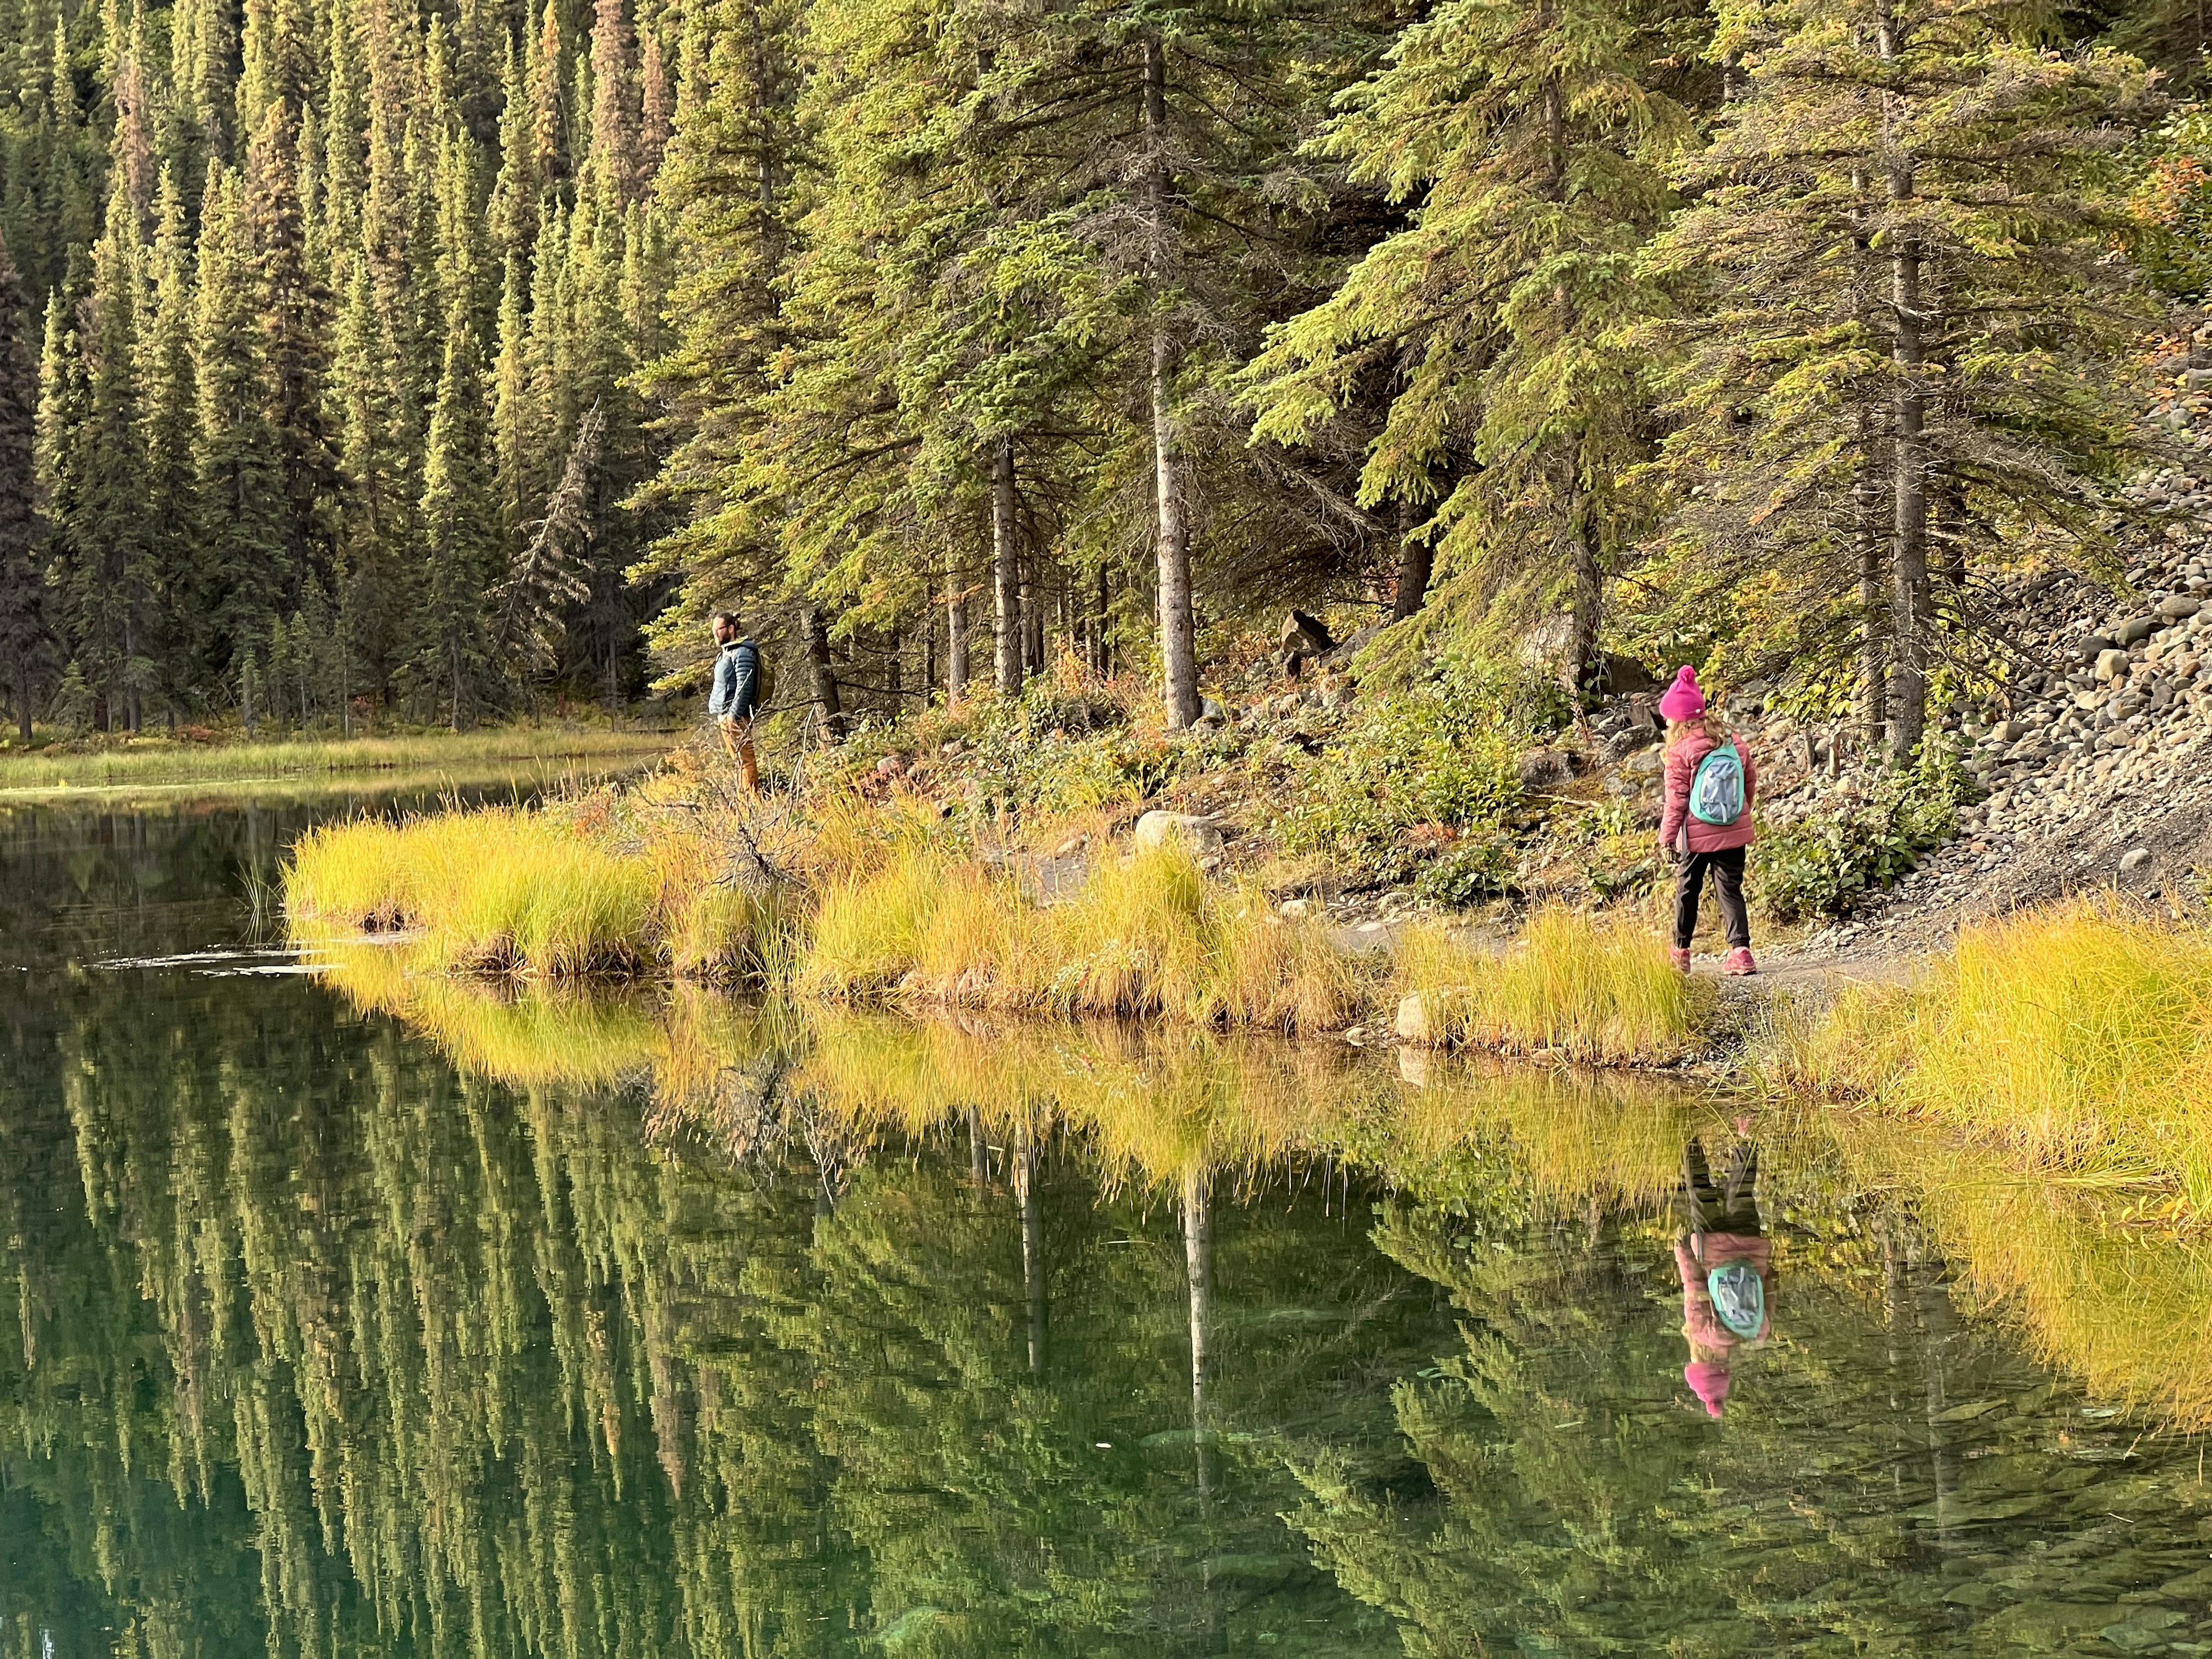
2123, 1302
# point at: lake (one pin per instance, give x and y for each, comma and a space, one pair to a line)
342, 1317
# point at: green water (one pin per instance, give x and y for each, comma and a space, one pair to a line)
310, 1344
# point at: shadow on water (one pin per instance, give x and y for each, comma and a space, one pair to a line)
365, 1316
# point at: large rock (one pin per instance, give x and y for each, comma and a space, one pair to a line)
2136, 629
2111, 665
2180, 608
1302, 639
1156, 830
1424, 1018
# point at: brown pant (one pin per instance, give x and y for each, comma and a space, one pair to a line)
737, 738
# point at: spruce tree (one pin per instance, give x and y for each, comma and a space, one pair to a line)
26, 641
1899, 264
292, 315
168, 414
1526, 141
243, 572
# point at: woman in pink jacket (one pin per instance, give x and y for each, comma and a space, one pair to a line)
1696, 842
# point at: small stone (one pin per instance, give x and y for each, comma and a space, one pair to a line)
1071, 846
2136, 629
2111, 665
1295, 909
2134, 860
1356, 1036
2180, 608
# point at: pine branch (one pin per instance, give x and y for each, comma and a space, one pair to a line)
544, 579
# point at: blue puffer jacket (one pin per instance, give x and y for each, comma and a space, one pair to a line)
736, 695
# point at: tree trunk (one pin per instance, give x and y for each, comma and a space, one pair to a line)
1033, 1282
1177, 619
815, 628
1416, 563
1587, 611
1005, 569
1874, 610
1198, 1265
894, 671
1873, 713
955, 640
23, 698
1908, 563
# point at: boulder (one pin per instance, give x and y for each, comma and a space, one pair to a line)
1156, 830
2134, 860
1302, 639
1616, 676
1424, 1018
2136, 629
2180, 608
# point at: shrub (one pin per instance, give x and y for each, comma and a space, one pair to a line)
1440, 755
1819, 864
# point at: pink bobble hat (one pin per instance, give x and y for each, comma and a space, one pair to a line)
1683, 701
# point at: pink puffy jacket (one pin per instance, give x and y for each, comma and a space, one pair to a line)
1682, 766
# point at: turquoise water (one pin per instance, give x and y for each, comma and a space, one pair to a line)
310, 1343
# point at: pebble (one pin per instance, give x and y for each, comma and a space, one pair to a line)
2135, 860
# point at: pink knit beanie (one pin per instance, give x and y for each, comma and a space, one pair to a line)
1682, 701
1709, 1381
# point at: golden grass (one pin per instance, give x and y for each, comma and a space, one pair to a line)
2079, 1037
1145, 935
1591, 988
156, 762
531, 891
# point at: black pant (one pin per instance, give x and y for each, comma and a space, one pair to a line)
1727, 866
1717, 1208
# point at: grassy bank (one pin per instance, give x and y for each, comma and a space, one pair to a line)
162, 763
2080, 1038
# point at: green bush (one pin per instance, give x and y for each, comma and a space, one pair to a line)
1820, 864
1433, 764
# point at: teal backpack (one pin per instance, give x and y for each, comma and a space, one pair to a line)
1717, 788
1739, 1296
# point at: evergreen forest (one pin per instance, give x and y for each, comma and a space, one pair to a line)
447, 358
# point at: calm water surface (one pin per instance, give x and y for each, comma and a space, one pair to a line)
312, 1343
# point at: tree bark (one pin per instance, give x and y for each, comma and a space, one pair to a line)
1198, 1265
1872, 712
1416, 564
955, 640
1033, 1279
814, 628
1177, 619
1908, 562
1587, 612
1005, 569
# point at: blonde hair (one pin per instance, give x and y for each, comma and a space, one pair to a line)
1709, 723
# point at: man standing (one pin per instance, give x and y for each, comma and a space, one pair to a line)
736, 696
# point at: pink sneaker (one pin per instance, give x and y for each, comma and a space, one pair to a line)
1739, 961
1679, 957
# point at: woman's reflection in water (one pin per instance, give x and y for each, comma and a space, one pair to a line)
1727, 1267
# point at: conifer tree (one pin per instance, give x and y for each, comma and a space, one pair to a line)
292, 314
1899, 261
26, 642
243, 572
1525, 139
168, 412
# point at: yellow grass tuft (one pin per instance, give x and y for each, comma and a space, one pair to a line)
2080, 1037
1590, 988
1145, 935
